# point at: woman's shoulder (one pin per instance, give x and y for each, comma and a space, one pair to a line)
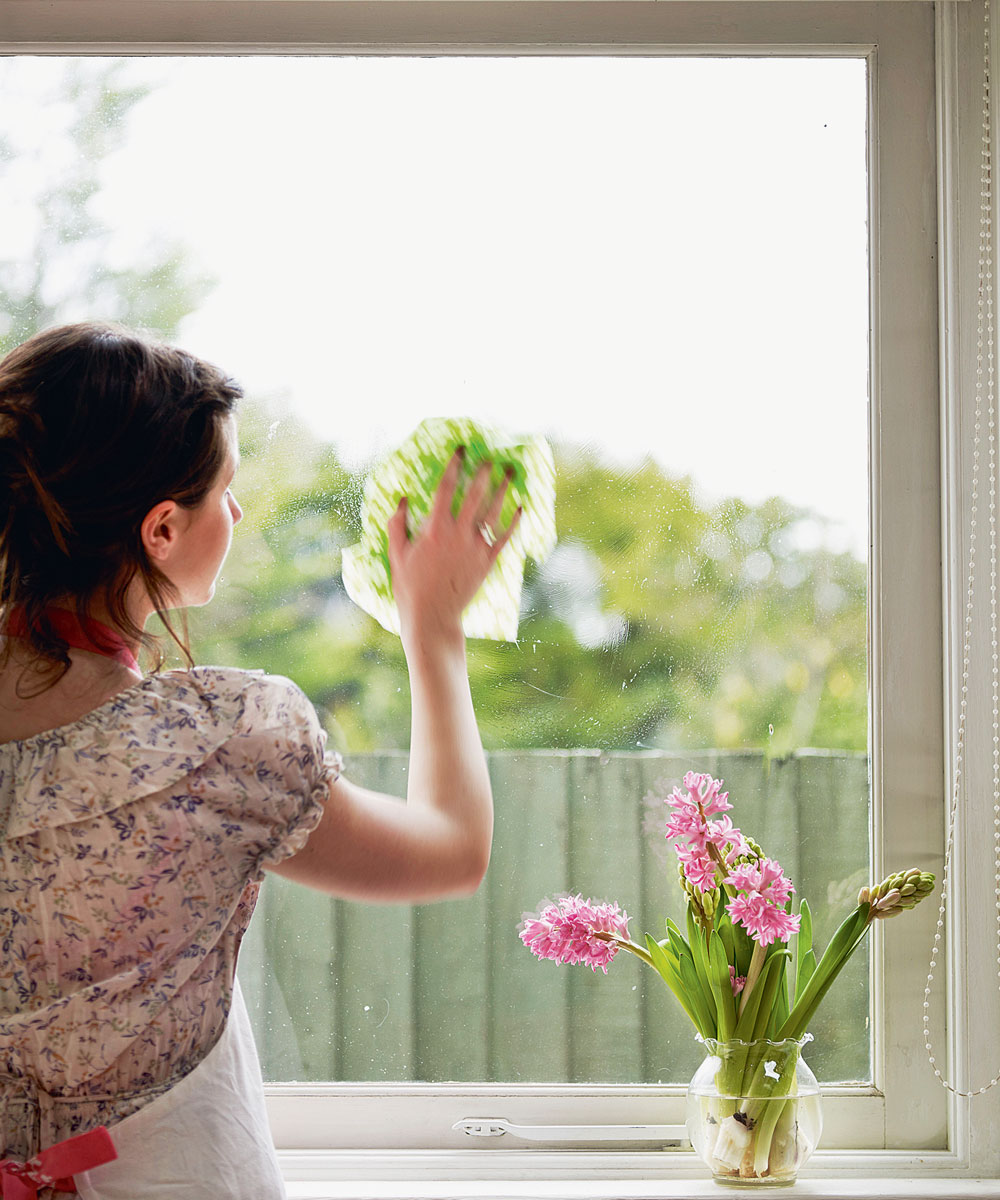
184, 706
145, 739
256, 694
259, 716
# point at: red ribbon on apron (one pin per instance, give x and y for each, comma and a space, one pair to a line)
56, 1166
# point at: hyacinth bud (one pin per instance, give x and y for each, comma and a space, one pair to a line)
704, 904
752, 854
754, 848
902, 889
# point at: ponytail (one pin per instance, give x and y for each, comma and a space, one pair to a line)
98, 424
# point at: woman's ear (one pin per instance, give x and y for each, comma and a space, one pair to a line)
159, 530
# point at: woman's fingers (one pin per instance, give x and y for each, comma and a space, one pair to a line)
396, 529
436, 574
491, 516
504, 537
473, 507
449, 482
480, 509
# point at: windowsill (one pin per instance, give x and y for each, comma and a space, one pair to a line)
401, 1175
658, 1189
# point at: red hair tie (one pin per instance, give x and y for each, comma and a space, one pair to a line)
81, 633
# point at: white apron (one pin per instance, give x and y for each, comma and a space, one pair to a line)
207, 1137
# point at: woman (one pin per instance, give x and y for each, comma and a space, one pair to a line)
138, 815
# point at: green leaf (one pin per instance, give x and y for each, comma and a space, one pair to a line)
725, 929
779, 1013
672, 978
743, 946
764, 1025
663, 963
705, 1011
660, 960
748, 1017
722, 987
805, 956
699, 955
842, 945
678, 943
806, 967
804, 938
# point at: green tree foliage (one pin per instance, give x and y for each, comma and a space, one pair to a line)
658, 622
682, 625
62, 267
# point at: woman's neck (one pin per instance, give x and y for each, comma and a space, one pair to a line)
30, 703
137, 607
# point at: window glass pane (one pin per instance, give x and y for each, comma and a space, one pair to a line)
660, 265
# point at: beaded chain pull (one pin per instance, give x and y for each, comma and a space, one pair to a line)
985, 327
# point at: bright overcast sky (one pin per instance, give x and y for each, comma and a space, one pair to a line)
647, 255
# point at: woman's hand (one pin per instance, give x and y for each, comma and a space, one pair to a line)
436, 574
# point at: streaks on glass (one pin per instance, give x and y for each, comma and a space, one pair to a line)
368, 1008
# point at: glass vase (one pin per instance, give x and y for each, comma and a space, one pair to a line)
754, 1111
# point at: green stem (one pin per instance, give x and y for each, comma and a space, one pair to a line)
625, 944
763, 1093
721, 866
753, 973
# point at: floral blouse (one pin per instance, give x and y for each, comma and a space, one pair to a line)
132, 844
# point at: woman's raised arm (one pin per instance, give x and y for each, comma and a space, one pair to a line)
436, 844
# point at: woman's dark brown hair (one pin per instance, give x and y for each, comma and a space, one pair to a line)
98, 424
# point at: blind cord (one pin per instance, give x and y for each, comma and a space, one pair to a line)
985, 331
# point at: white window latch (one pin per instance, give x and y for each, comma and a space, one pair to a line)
498, 1126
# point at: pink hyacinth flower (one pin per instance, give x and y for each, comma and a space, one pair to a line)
737, 982
699, 869
763, 889
689, 820
775, 884
766, 878
764, 922
723, 833
686, 822
566, 930
705, 790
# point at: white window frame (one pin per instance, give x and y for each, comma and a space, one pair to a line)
926, 72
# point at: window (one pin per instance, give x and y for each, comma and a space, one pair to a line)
896, 45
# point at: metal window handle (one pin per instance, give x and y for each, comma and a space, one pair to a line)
498, 1126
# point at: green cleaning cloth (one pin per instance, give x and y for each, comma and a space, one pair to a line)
414, 471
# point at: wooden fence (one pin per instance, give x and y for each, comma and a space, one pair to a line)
345, 991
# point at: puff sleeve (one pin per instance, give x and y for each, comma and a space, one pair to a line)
267, 785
